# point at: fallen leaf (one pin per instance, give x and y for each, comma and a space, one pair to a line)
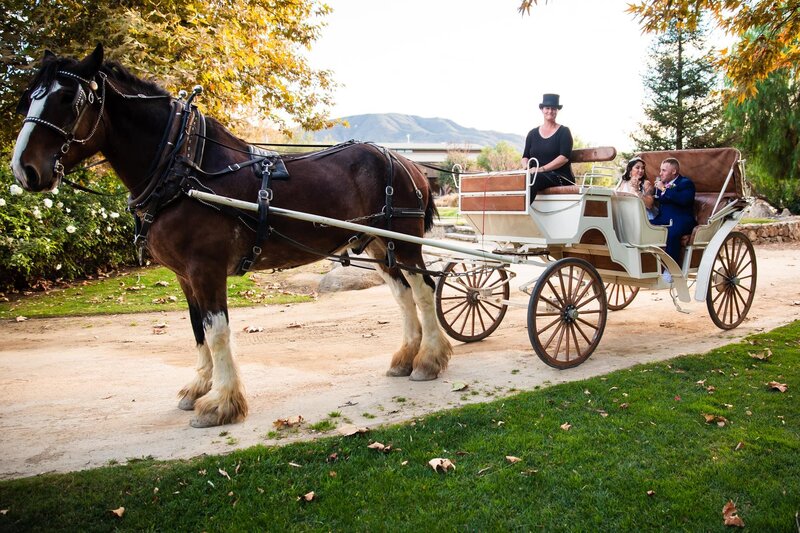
458, 385
719, 420
119, 511
376, 446
349, 431
511, 459
623, 406
677, 398
777, 386
602, 413
332, 458
739, 446
761, 356
308, 496
484, 470
252, 329
404, 463
288, 422
21, 318
223, 474
441, 464
294, 325
565, 426
368, 335
383, 321
651, 493
729, 515
294, 465
161, 284
3, 512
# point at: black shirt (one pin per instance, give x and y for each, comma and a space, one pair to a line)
546, 150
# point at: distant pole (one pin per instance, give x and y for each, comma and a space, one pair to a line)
408, 138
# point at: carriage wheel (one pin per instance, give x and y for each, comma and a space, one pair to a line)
620, 296
460, 305
733, 281
567, 313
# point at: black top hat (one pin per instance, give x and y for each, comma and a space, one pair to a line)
550, 100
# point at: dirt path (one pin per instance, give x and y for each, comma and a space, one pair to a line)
81, 392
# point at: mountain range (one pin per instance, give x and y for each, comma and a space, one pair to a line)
399, 128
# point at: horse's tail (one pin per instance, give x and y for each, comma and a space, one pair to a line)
430, 212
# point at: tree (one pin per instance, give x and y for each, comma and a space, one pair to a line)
245, 53
502, 156
767, 32
682, 111
769, 134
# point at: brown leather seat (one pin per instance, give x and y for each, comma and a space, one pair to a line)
562, 189
703, 207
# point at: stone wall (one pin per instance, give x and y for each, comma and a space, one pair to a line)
783, 230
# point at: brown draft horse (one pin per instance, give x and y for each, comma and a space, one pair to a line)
75, 109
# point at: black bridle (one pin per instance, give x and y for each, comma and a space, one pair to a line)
83, 100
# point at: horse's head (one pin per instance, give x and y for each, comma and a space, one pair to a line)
63, 108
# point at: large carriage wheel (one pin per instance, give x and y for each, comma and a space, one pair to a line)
733, 281
567, 313
461, 307
620, 296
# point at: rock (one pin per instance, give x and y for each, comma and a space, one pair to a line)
349, 278
760, 209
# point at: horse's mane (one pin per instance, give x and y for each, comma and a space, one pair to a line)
136, 85
47, 74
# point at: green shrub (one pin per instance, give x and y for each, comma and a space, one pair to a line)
64, 234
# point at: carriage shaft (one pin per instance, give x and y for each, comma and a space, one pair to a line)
317, 219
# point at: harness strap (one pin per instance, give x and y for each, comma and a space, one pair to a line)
263, 229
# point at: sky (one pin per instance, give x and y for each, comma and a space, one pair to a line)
483, 65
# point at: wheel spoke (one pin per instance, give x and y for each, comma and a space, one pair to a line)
451, 309
580, 330
561, 302
464, 290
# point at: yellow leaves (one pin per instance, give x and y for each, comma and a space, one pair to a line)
730, 515
566, 426
440, 464
511, 459
118, 512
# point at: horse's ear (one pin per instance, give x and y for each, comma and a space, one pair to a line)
48, 56
92, 63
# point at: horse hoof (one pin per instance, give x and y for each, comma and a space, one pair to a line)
205, 420
398, 371
421, 375
186, 404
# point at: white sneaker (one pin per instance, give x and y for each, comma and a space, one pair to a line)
667, 277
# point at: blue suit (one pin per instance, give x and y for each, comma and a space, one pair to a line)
676, 204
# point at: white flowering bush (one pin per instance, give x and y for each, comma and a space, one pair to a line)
64, 234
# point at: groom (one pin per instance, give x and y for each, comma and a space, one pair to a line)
675, 196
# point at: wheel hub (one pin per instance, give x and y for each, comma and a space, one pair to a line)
571, 313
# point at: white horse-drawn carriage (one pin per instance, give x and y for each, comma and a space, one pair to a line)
598, 249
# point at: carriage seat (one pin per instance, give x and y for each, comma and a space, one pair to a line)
703, 207
561, 189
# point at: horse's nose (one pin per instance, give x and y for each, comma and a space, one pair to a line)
32, 180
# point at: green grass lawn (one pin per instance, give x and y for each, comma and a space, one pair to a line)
628, 451
136, 291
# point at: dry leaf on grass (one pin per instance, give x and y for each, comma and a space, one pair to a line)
739, 446
761, 356
440, 464
380, 447
223, 474
777, 386
294, 465
565, 426
623, 406
511, 459
715, 419
288, 422
21, 318
119, 511
349, 431
307, 497
651, 493
729, 515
